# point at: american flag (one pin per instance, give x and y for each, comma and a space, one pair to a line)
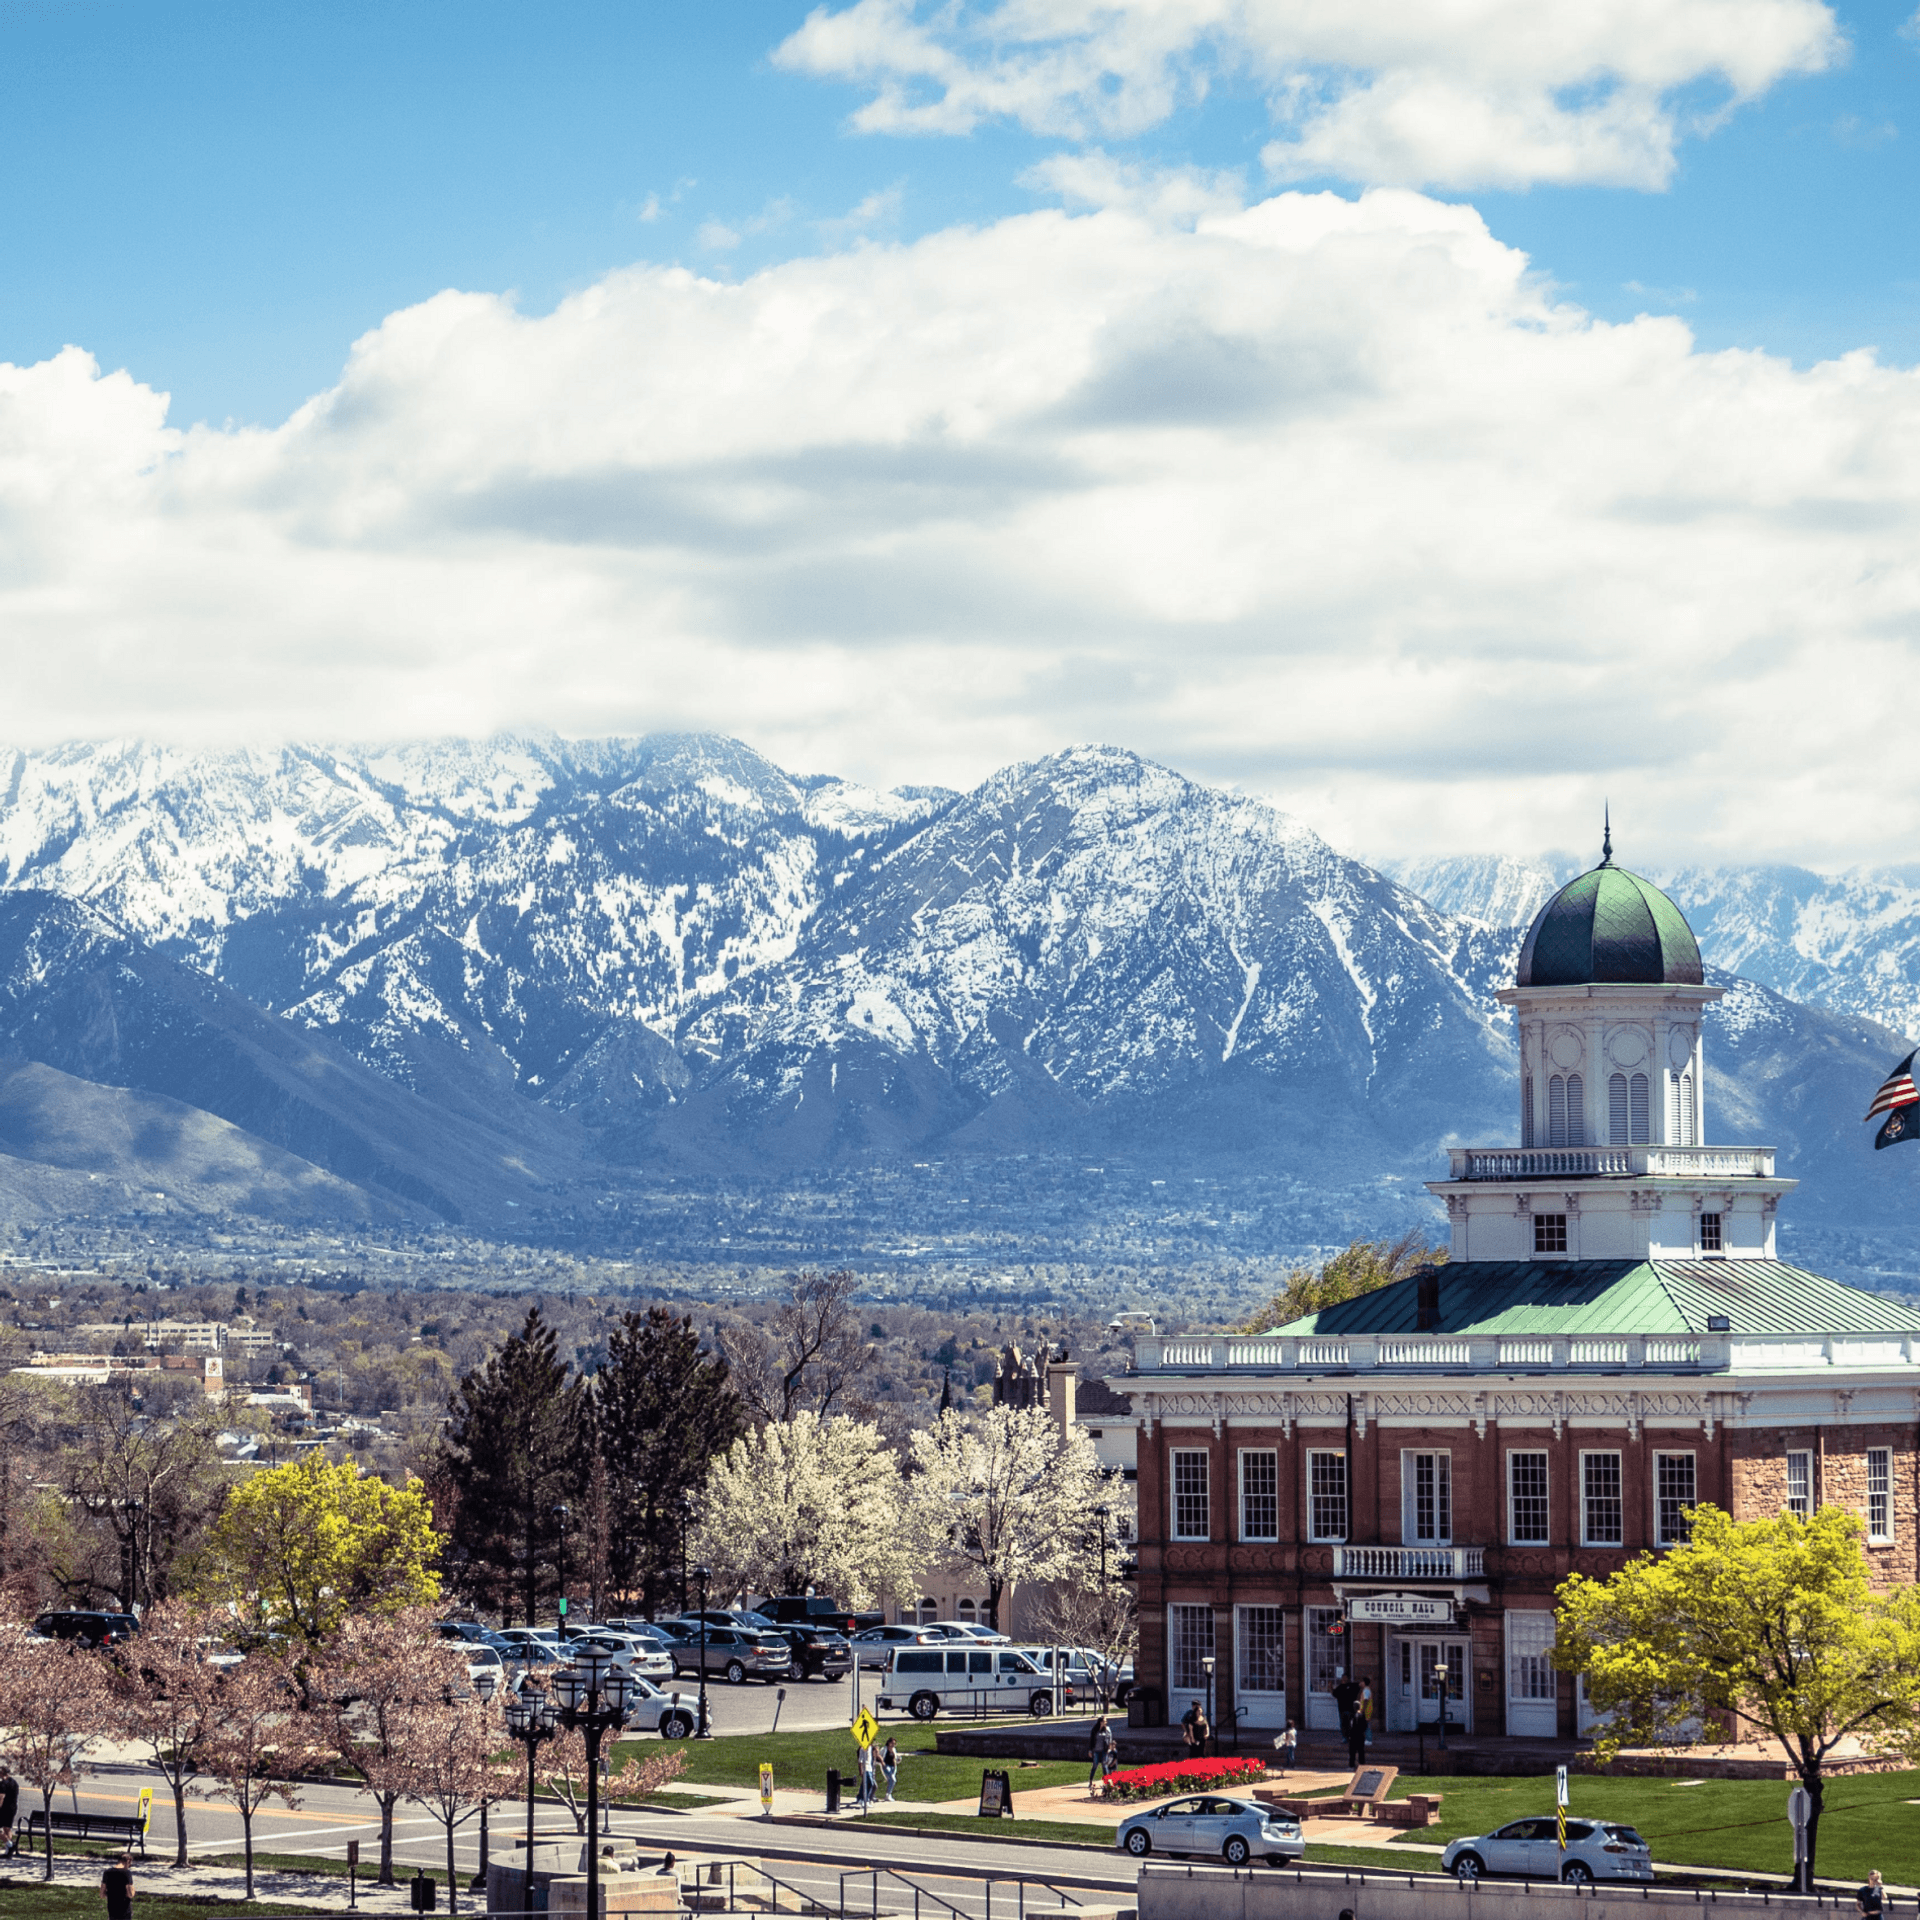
1898, 1089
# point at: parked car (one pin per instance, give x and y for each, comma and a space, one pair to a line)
923, 1679
529, 1646
486, 1660
1210, 1824
972, 1630
733, 1617
1596, 1850
816, 1650
734, 1653
673, 1716
874, 1647
474, 1630
816, 1609
91, 1629
631, 1653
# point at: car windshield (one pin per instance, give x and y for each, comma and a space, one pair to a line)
644, 1689
1625, 1835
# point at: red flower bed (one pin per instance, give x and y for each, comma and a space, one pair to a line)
1177, 1776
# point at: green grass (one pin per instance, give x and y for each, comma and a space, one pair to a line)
1736, 1825
83, 1903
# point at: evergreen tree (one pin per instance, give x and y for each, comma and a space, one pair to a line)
518, 1449
665, 1409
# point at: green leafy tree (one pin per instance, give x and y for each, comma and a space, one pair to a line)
1775, 1621
665, 1408
297, 1547
1363, 1267
518, 1453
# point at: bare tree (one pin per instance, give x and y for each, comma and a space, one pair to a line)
1089, 1603
255, 1734
811, 1358
52, 1701
450, 1747
163, 1692
564, 1768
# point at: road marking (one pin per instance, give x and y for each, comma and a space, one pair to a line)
269, 1813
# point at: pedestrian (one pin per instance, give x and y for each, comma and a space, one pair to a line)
1188, 1738
890, 1764
9, 1812
1869, 1898
1284, 1745
1366, 1710
1202, 1730
1099, 1753
866, 1778
117, 1884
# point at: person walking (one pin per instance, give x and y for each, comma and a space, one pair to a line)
1346, 1697
9, 1812
1870, 1897
1202, 1732
1188, 1737
1285, 1744
117, 1885
1366, 1713
1099, 1753
890, 1764
866, 1779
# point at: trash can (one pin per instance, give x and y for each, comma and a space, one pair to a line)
1143, 1708
833, 1789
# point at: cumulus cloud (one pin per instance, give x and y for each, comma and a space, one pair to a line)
1501, 93
1333, 498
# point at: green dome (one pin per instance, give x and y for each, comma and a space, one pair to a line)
1609, 925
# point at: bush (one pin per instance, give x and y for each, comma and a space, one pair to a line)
1174, 1776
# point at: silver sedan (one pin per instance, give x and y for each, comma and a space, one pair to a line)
1211, 1825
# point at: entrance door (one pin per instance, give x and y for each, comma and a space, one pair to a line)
1413, 1694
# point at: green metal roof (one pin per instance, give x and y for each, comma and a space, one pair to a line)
1603, 1297
1609, 925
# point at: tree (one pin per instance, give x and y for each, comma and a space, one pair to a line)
812, 1357
298, 1546
563, 1766
450, 1748
52, 1701
1773, 1620
518, 1445
1364, 1267
163, 1693
664, 1410
1090, 1603
805, 1503
1006, 1491
256, 1742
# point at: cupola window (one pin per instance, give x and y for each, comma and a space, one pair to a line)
1680, 1130
1526, 1111
1627, 1110
1566, 1111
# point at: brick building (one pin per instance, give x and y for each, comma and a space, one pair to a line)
1396, 1485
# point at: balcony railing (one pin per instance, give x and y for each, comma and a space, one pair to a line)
1409, 1563
1610, 1163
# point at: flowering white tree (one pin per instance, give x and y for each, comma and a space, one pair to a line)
1005, 1491
805, 1503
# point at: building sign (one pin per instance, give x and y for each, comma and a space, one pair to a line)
1402, 1609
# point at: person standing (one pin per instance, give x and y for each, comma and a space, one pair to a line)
890, 1764
1366, 1712
1188, 1738
1870, 1897
866, 1779
1346, 1697
1099, 1753
117, 1885
9, 1812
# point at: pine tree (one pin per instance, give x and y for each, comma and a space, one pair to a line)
517, 1452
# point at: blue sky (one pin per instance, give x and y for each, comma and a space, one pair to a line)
221, 197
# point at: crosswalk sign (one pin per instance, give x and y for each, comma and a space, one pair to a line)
866, 1729
1560, 1806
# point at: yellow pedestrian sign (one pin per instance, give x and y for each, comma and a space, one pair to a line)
866, 1729
766, 1788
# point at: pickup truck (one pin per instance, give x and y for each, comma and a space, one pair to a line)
816, 1610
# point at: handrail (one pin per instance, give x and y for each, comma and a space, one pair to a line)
1596, 1162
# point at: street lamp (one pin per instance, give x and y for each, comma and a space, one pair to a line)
1440, 1675
1212, 1731
592, 1697
703, 1575
486, 1686
530, 1720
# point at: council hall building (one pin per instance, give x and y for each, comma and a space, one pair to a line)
1398, 1484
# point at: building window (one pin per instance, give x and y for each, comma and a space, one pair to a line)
1680, 1132
1326, 1649
1189, 1645
1259, 1495
1191, 1519
1530, 1674
1566, 1111
965, 1612
1326, 1496
1526, 1111
1617, 1110
1674, 1498
1549, 1233
1426, 1498
1880, 1494
1527, 1493
1638, 1104
1600, 1488
1262, 1664
1800, 1485
1710, 1233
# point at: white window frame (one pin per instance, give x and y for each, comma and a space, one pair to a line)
1880, 1496
1185, 1652
1587, 1537
1245, 1665
1317, 1640
1799, 1466
1718, 1231
1514, 1536
1315, 1455
1530, 1673
1682, 1532
1176, 1458
1541, 1229
1440, 1461
1268, 1460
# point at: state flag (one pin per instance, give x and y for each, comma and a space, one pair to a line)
1899, 1100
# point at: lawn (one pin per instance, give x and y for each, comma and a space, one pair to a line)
1870, 1819
83, 1903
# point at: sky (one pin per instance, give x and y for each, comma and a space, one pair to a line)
1438, 418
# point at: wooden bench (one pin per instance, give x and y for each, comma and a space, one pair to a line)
129, 1827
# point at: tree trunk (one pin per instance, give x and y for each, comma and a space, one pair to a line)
1815, 1786
385, 1802
180, 1820
246, 1829
46, 1801
453, 1879
995, 1587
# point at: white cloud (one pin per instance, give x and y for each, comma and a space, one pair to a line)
1471, 93
1331, 498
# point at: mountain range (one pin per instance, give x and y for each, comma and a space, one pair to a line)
533, 986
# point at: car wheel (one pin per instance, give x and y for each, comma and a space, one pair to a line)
1040, 1705
796, 1671
735, 1673
676, 1726
1236, 1850
923, 1706
1139, 1843
1576, 1873
1469, 1866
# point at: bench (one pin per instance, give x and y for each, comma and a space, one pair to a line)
1416, 1810
129, 1827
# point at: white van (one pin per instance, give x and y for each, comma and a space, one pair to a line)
972, 1679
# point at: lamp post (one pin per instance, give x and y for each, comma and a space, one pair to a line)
486, 1687
1212, 1732
531, 1721
591, 1697
1440, 1674
703, 1575
562, 1513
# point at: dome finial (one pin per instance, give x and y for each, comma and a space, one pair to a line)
1606, 834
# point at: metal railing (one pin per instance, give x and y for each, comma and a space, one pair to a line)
1063, 1902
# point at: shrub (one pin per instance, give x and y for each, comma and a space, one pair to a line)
1176, 1776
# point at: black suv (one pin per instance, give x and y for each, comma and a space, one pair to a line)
90, 1629
816, 1610
817, 1650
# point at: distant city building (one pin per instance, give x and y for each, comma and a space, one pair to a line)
240, 1336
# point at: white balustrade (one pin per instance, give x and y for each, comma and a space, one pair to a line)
1409, 1563
1596, 1353
1424, 1353
1610, 1162
1526, 1353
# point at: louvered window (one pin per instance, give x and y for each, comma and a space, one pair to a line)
1557, 1111
1526, 1111
1576, 1111
1637, 1103
1680, 1132
1617, 1110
